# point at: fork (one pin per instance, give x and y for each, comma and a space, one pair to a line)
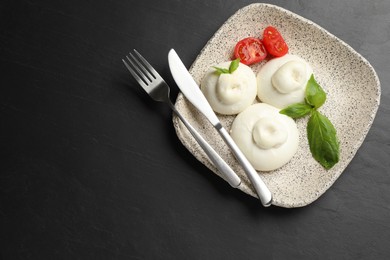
158, 89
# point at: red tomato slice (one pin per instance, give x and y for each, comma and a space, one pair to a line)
274, 42
250, 50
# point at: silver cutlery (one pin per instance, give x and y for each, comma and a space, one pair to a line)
158, 89
192, 92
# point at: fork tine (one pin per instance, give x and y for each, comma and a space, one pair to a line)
142, 72
142, 68
134, 74
148, 66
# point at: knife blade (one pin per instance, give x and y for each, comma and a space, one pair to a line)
192, 92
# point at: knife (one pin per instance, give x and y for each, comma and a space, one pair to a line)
192, 92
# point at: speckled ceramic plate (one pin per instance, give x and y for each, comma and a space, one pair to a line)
351, 84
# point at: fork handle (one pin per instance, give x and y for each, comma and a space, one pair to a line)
261, 189
227, 173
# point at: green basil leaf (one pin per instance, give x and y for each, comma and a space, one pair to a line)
315, 95
323, 142
234, 65
221, 70
296, 110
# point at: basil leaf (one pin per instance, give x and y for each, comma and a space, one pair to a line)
315, 95
221, 70
323, 142
234, 65
296, 110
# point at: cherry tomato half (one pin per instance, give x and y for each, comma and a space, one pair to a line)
250, 50
274, 42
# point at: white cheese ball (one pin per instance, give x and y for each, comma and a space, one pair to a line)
282, 81
267, 138
229, 94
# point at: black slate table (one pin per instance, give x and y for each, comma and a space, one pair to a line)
91, 167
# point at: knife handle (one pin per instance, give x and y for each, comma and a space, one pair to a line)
261, 189
227, 173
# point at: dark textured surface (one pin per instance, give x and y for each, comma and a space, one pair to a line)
91, 168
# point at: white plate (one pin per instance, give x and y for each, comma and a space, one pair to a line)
351, 84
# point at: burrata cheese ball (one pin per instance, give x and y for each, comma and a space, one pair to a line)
267, 138
282, 81
229, 93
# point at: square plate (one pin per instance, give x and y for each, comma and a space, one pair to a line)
353, 95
